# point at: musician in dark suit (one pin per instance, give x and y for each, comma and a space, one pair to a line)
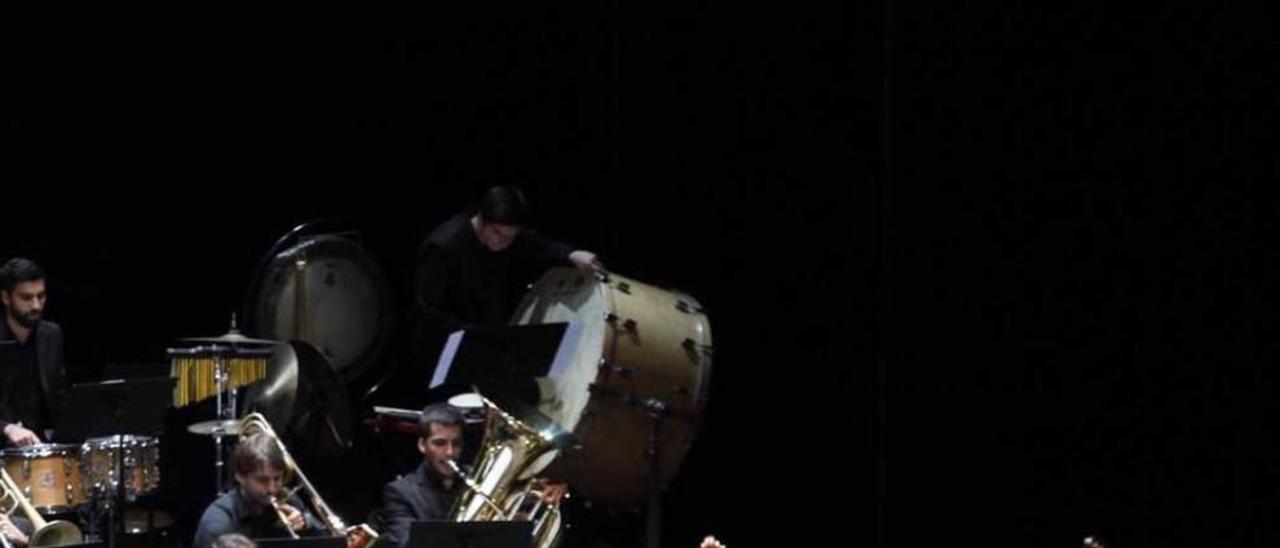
429, 491
32, 372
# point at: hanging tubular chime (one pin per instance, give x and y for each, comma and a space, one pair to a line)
195, 370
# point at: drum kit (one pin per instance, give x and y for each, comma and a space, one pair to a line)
58, 478
107, 473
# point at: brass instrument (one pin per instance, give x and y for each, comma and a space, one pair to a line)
275, 505
497, 489
358, 536
53, 533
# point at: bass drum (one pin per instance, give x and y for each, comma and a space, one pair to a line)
641, 350
326, 289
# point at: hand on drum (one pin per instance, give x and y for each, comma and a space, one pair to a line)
553, 492
11, 531
294, 517
20, 436
585, 260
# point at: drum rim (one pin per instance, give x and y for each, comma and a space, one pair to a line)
112, 441
43, 450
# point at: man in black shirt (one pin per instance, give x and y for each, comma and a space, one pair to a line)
472, 268
32, 372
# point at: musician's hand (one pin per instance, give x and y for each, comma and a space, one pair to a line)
553, 492
20, 436
294, 517
585, 260
11, 532
711, 542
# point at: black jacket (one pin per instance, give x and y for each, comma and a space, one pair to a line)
50, 369
415, 497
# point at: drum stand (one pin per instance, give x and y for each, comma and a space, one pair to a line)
657, 411
224, 413
115, 510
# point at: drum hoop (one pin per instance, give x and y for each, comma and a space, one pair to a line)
42, 451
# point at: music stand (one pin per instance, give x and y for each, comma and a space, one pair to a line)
115, 407
112, 407
470, 534
507, 352
305, 542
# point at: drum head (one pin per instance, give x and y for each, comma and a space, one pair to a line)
568, 295
328, 291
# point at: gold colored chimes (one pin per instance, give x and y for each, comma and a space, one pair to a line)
196, 372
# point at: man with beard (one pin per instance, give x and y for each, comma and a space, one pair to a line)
32, 372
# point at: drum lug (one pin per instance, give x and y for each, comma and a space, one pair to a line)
26, 470
623, 372
629, 324
691, 346
690, 309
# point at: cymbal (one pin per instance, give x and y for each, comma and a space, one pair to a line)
305, 399
233, 338
216, 428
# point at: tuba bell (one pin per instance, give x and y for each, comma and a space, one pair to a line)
499, 487
358, 536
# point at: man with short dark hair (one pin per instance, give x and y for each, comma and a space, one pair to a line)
471, 268
247, 509
32, 372
428, 492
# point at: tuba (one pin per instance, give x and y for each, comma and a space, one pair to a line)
499, 487
53, 533
358, 536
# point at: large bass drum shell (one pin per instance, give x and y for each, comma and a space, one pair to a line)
639, 345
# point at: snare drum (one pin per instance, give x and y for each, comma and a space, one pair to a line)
48, 474
141, 465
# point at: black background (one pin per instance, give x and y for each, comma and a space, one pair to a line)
1045, 230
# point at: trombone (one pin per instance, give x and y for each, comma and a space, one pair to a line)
358, 536
52, 533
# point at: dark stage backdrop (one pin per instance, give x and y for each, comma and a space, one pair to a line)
1082, 275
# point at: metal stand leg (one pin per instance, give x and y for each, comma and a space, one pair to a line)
657, 411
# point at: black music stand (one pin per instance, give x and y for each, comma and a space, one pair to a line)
305, 542
507, 352
506, 358
470, 534
114, 408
